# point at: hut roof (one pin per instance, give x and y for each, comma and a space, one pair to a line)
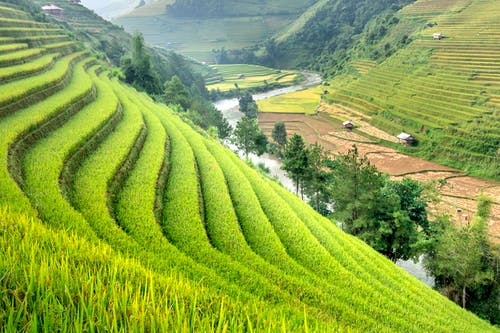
347, 123
404, 136
51, 7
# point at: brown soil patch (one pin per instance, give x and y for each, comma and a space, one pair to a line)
342, 112
427, 176
350, 136
395, 163
459, 192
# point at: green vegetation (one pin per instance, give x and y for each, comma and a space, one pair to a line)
443, 92
249, 138
279, 136
138, 70
231, 80
464, 263
389, 216
360, 30
115, 214
248, 106
228, 8
303, 101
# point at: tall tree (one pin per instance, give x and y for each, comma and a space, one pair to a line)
279, 135
176, 93
295, 161
317, 178
389, 216
465, 264
138, 70
249, 138
355, 182
248, 106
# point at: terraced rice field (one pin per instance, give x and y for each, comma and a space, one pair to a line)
303, 101
117, 215
228, 77
444, 92
325, 128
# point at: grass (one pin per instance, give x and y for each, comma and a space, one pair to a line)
15, 58
17, 127
303, 101
163, 303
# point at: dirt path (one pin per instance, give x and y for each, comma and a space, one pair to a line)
458, 192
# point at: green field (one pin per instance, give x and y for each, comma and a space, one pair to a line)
116, 215
444, 92
228, 77
304, 101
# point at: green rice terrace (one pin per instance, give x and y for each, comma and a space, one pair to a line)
443, 89
228, 77
116, 215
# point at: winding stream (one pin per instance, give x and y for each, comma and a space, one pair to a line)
230, 110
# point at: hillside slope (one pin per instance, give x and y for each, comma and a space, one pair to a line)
195, 28
117, 215
444, 92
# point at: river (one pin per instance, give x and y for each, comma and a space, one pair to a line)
230, 110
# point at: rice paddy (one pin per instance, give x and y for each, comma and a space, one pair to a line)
116, 215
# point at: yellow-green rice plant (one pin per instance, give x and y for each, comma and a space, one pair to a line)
14, 58
373, 267
16, 126
16, 94
52, 287
21, 32
225, 234
309, 252
10, 22
191, 236
139, 191
43, 163
5, 48
30, 68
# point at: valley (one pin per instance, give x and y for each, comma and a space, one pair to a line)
122, 209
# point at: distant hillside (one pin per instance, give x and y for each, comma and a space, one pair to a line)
117, 215
101, 35
111, 8
333, 29
195, 28
326, 37
444, 92
231, 8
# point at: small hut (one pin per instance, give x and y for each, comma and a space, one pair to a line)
52, 9
349, 125
406, 139
437, 36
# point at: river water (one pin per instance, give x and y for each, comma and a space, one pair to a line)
230, 110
